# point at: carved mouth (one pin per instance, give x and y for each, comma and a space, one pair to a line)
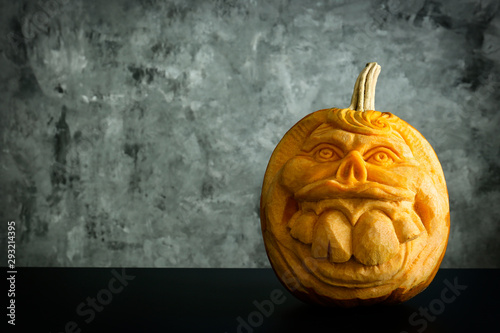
354, 237
353, 274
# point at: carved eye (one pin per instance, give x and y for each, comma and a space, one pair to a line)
381, 156
326, 154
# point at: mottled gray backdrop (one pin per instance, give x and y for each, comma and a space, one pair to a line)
137, 133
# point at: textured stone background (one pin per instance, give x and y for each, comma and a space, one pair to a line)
137, 133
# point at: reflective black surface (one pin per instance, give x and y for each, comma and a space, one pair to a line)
235, 300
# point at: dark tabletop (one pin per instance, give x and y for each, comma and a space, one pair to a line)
235, 300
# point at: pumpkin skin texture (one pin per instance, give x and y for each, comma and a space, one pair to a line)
354, 206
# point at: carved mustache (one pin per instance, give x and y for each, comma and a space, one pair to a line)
332, 189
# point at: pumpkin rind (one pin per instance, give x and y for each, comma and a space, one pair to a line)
354, 205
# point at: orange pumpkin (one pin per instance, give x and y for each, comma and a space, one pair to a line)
354, 205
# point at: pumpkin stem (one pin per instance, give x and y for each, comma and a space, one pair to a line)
363, 97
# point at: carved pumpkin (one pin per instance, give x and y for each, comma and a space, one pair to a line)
354, 205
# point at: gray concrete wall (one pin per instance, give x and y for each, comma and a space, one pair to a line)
137, 133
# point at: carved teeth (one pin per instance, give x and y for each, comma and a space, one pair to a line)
332, 237
293, 220
372, 232
302, 227
318, 207
408, 226
375, 238
312, 206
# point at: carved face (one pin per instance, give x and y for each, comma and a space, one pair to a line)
354, 209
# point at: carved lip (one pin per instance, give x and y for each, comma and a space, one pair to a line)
332, 189
353, 274
352, 209
350, 274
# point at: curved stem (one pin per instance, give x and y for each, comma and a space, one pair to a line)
363, 97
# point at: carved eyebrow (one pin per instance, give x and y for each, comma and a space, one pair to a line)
315, 140
322, 145
346, 141
395, 145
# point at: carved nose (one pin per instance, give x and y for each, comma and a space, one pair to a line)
352, 169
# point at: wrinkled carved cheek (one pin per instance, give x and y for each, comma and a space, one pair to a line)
387, 176
300, 171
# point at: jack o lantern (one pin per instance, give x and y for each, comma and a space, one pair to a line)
354, 205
